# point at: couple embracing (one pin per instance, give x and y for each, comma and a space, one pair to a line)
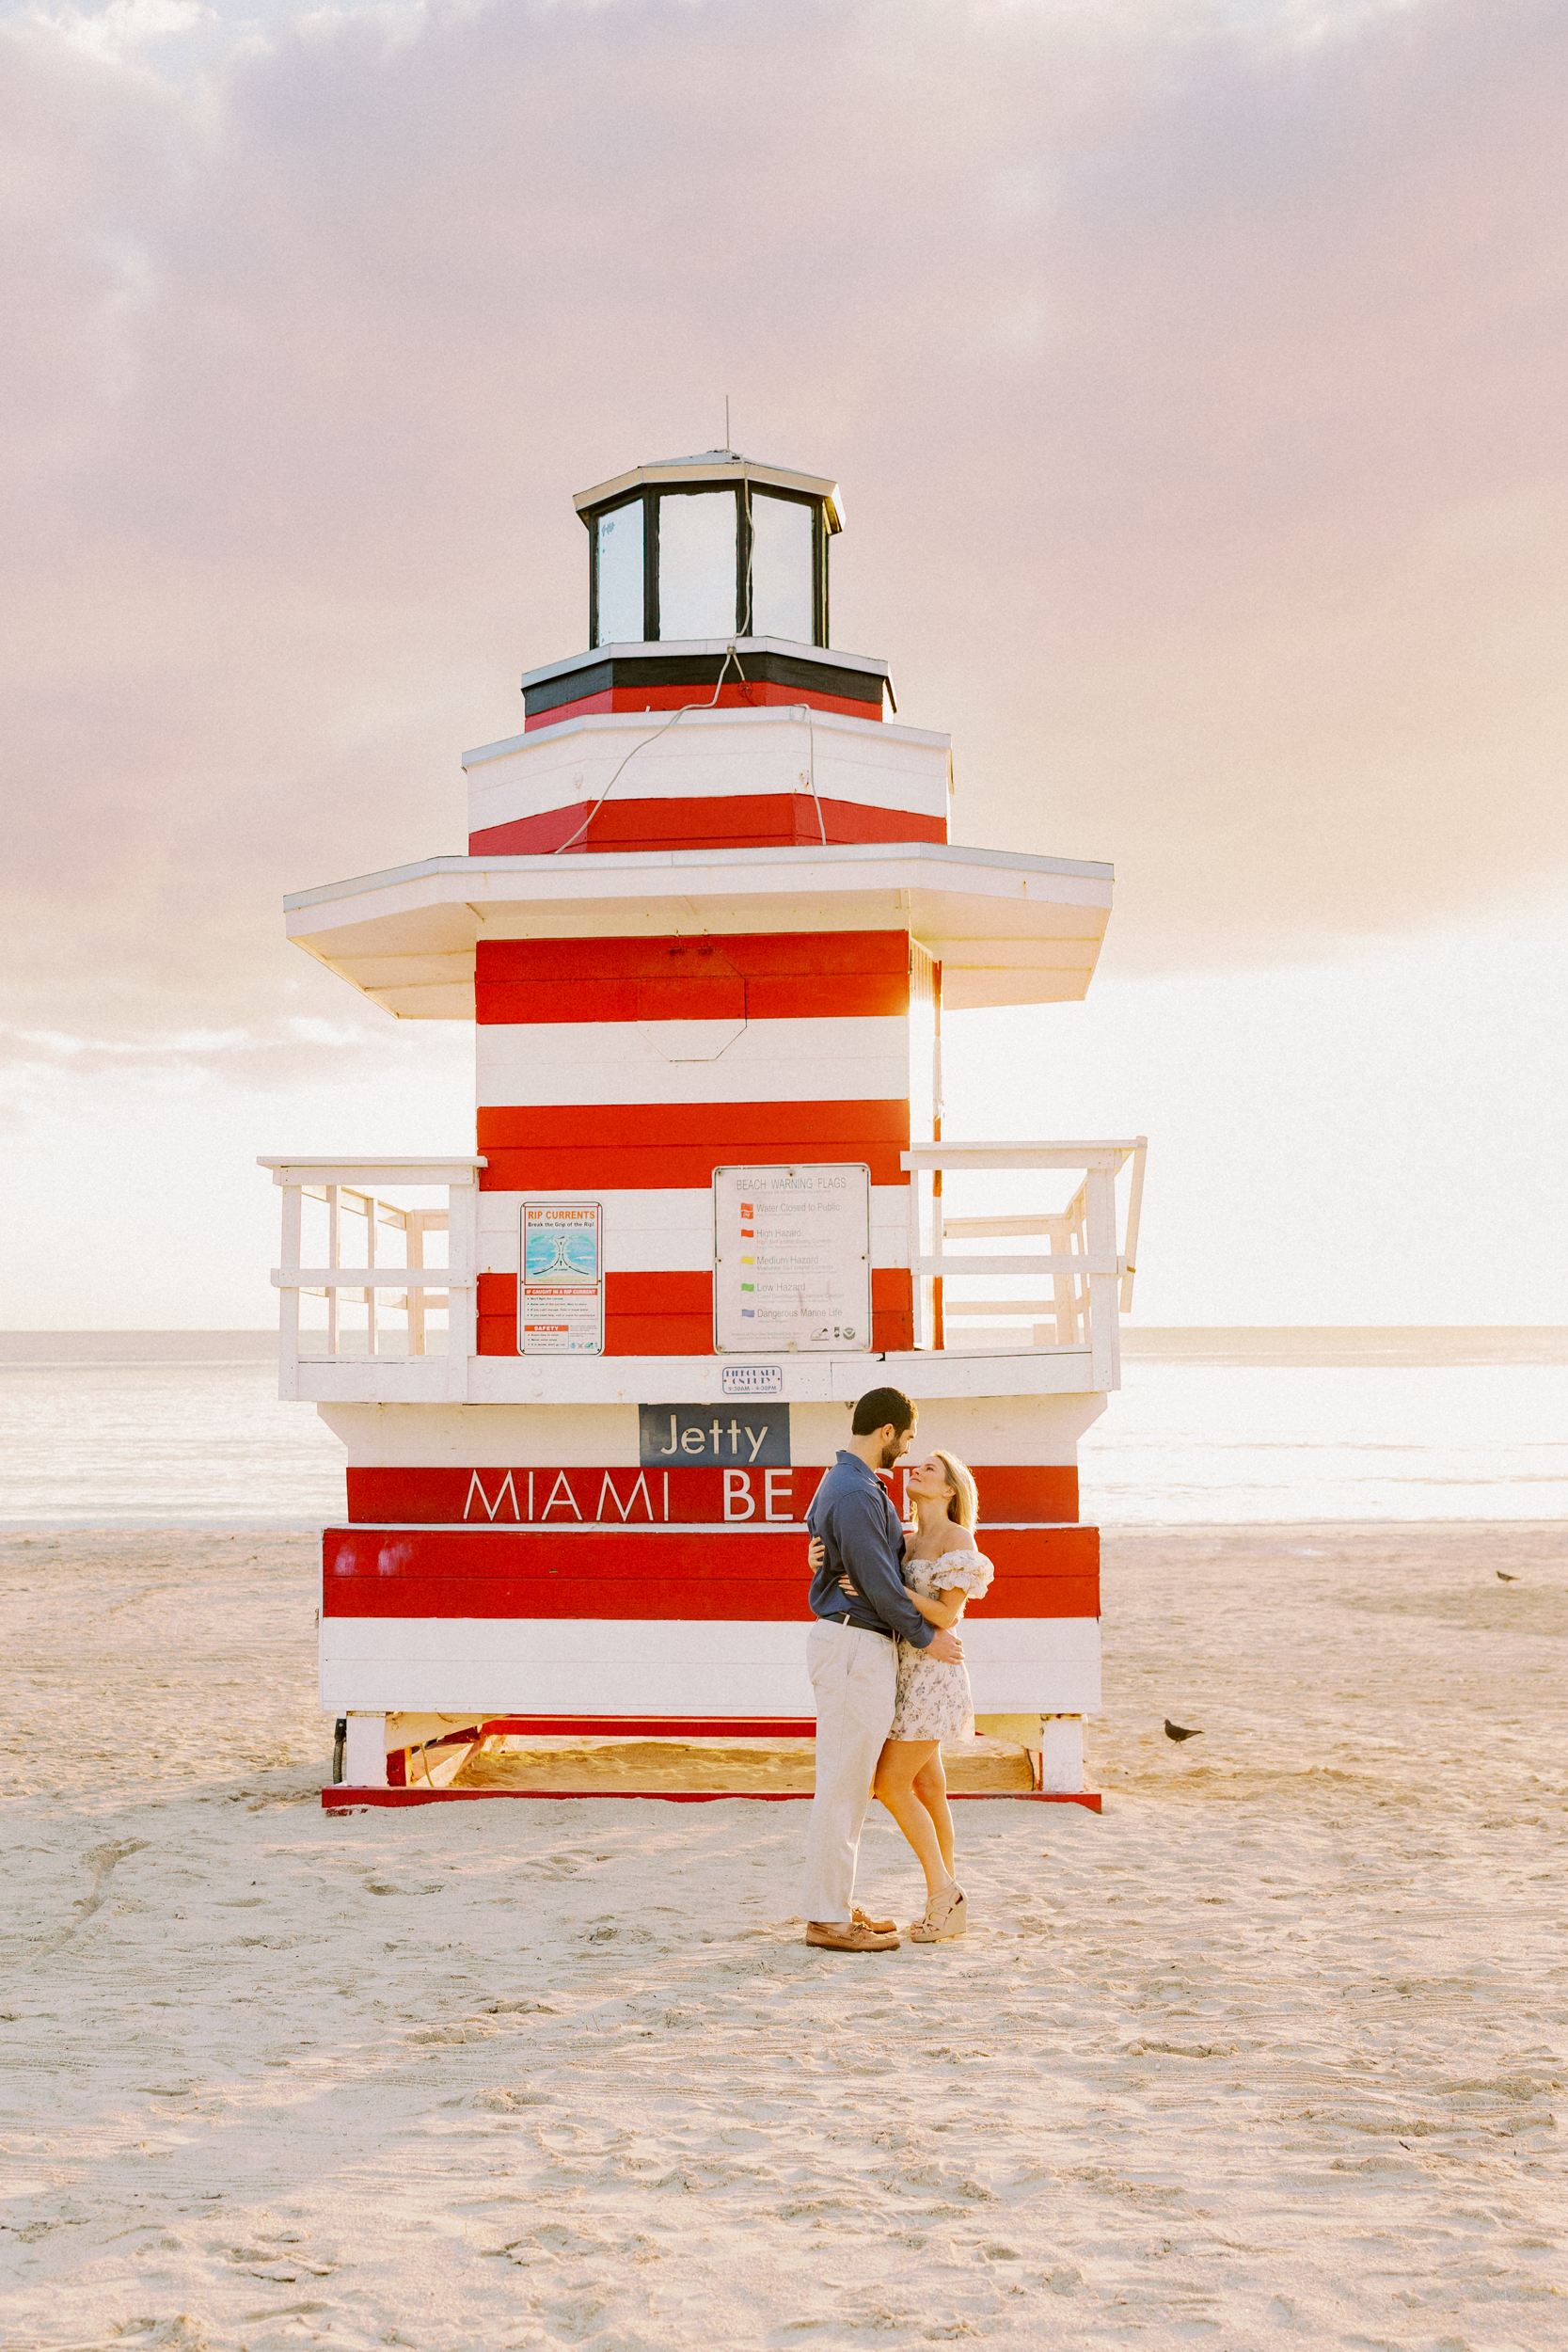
887, 1668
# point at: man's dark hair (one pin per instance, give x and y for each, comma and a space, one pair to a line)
878, 1407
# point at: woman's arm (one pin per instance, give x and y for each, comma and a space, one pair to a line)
941, 1612
945, 1610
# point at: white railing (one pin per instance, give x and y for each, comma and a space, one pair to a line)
1090, 1275
405, 1286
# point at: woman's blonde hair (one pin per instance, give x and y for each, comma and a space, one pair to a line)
965, 1504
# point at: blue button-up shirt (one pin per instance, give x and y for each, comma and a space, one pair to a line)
853, 1513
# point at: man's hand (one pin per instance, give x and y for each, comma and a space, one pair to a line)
947, 1648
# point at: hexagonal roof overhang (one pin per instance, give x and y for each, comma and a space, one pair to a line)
1007, 929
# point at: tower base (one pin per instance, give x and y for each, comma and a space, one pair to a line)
341, 1799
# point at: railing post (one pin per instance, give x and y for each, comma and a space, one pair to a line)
371, 1205
1135, 1210
1101, 1235
334, 1262
414, 1253
462, 1284
919, 1333
1057, 1235
288, 1297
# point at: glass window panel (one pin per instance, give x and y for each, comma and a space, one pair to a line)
621, 576
781, 601
696, 563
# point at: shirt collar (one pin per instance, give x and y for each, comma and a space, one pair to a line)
854, 1461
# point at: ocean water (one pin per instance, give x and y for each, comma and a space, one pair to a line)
148, 1429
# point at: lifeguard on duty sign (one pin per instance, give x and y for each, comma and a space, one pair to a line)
791, 1259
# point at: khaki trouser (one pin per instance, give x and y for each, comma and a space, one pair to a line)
855, 1677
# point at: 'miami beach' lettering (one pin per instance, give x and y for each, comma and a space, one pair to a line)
545, 1494
684, 1495
607, 1492
717, 1436
477, 1492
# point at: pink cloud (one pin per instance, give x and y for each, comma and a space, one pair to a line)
1197, 393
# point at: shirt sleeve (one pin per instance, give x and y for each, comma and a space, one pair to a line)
862, 1527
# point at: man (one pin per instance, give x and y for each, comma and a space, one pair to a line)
852, 1654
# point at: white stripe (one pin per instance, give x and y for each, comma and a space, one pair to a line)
711, 755
980, 1430
694, 1061
666, 1232
686, 1667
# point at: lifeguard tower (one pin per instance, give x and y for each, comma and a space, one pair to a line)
587, 1379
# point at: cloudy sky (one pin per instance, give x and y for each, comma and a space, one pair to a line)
1194, 370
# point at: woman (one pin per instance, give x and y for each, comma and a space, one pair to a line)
941, 1571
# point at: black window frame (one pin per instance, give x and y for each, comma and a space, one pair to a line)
592, 517
742, 492
819, 537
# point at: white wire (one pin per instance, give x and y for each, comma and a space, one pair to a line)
730, 655
811, 771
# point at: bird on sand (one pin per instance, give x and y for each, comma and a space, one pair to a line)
1503, 1576
1178, 1731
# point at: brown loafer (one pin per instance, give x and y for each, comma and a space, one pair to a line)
847, 1935
878, 1926
946, 1915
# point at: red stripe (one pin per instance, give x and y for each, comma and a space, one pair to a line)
671, 1314
763, 694
741, 820
646, 1315
640, 1147
652, 1295
891, 1310
735, 1576
600, 1169
607, 1497
658, 1335
1045, 1493
716, 1126
753, 954
760, 976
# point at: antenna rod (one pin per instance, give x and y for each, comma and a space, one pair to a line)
726, 420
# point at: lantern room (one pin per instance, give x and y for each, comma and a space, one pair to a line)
711, 545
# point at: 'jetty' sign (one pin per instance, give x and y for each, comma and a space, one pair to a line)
679, 1436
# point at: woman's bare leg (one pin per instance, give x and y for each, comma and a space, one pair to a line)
900, 1760
931, 1787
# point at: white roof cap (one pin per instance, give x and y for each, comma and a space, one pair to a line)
717, 466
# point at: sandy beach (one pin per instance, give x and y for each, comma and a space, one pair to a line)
1268, 2052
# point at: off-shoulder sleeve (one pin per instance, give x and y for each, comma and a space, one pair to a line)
971, 1572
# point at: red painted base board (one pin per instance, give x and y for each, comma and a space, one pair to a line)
345, 1799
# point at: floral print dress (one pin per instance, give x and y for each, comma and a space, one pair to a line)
934, 1700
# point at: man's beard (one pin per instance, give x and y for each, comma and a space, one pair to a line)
894, 1449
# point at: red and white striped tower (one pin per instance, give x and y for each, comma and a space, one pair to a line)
705, 928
